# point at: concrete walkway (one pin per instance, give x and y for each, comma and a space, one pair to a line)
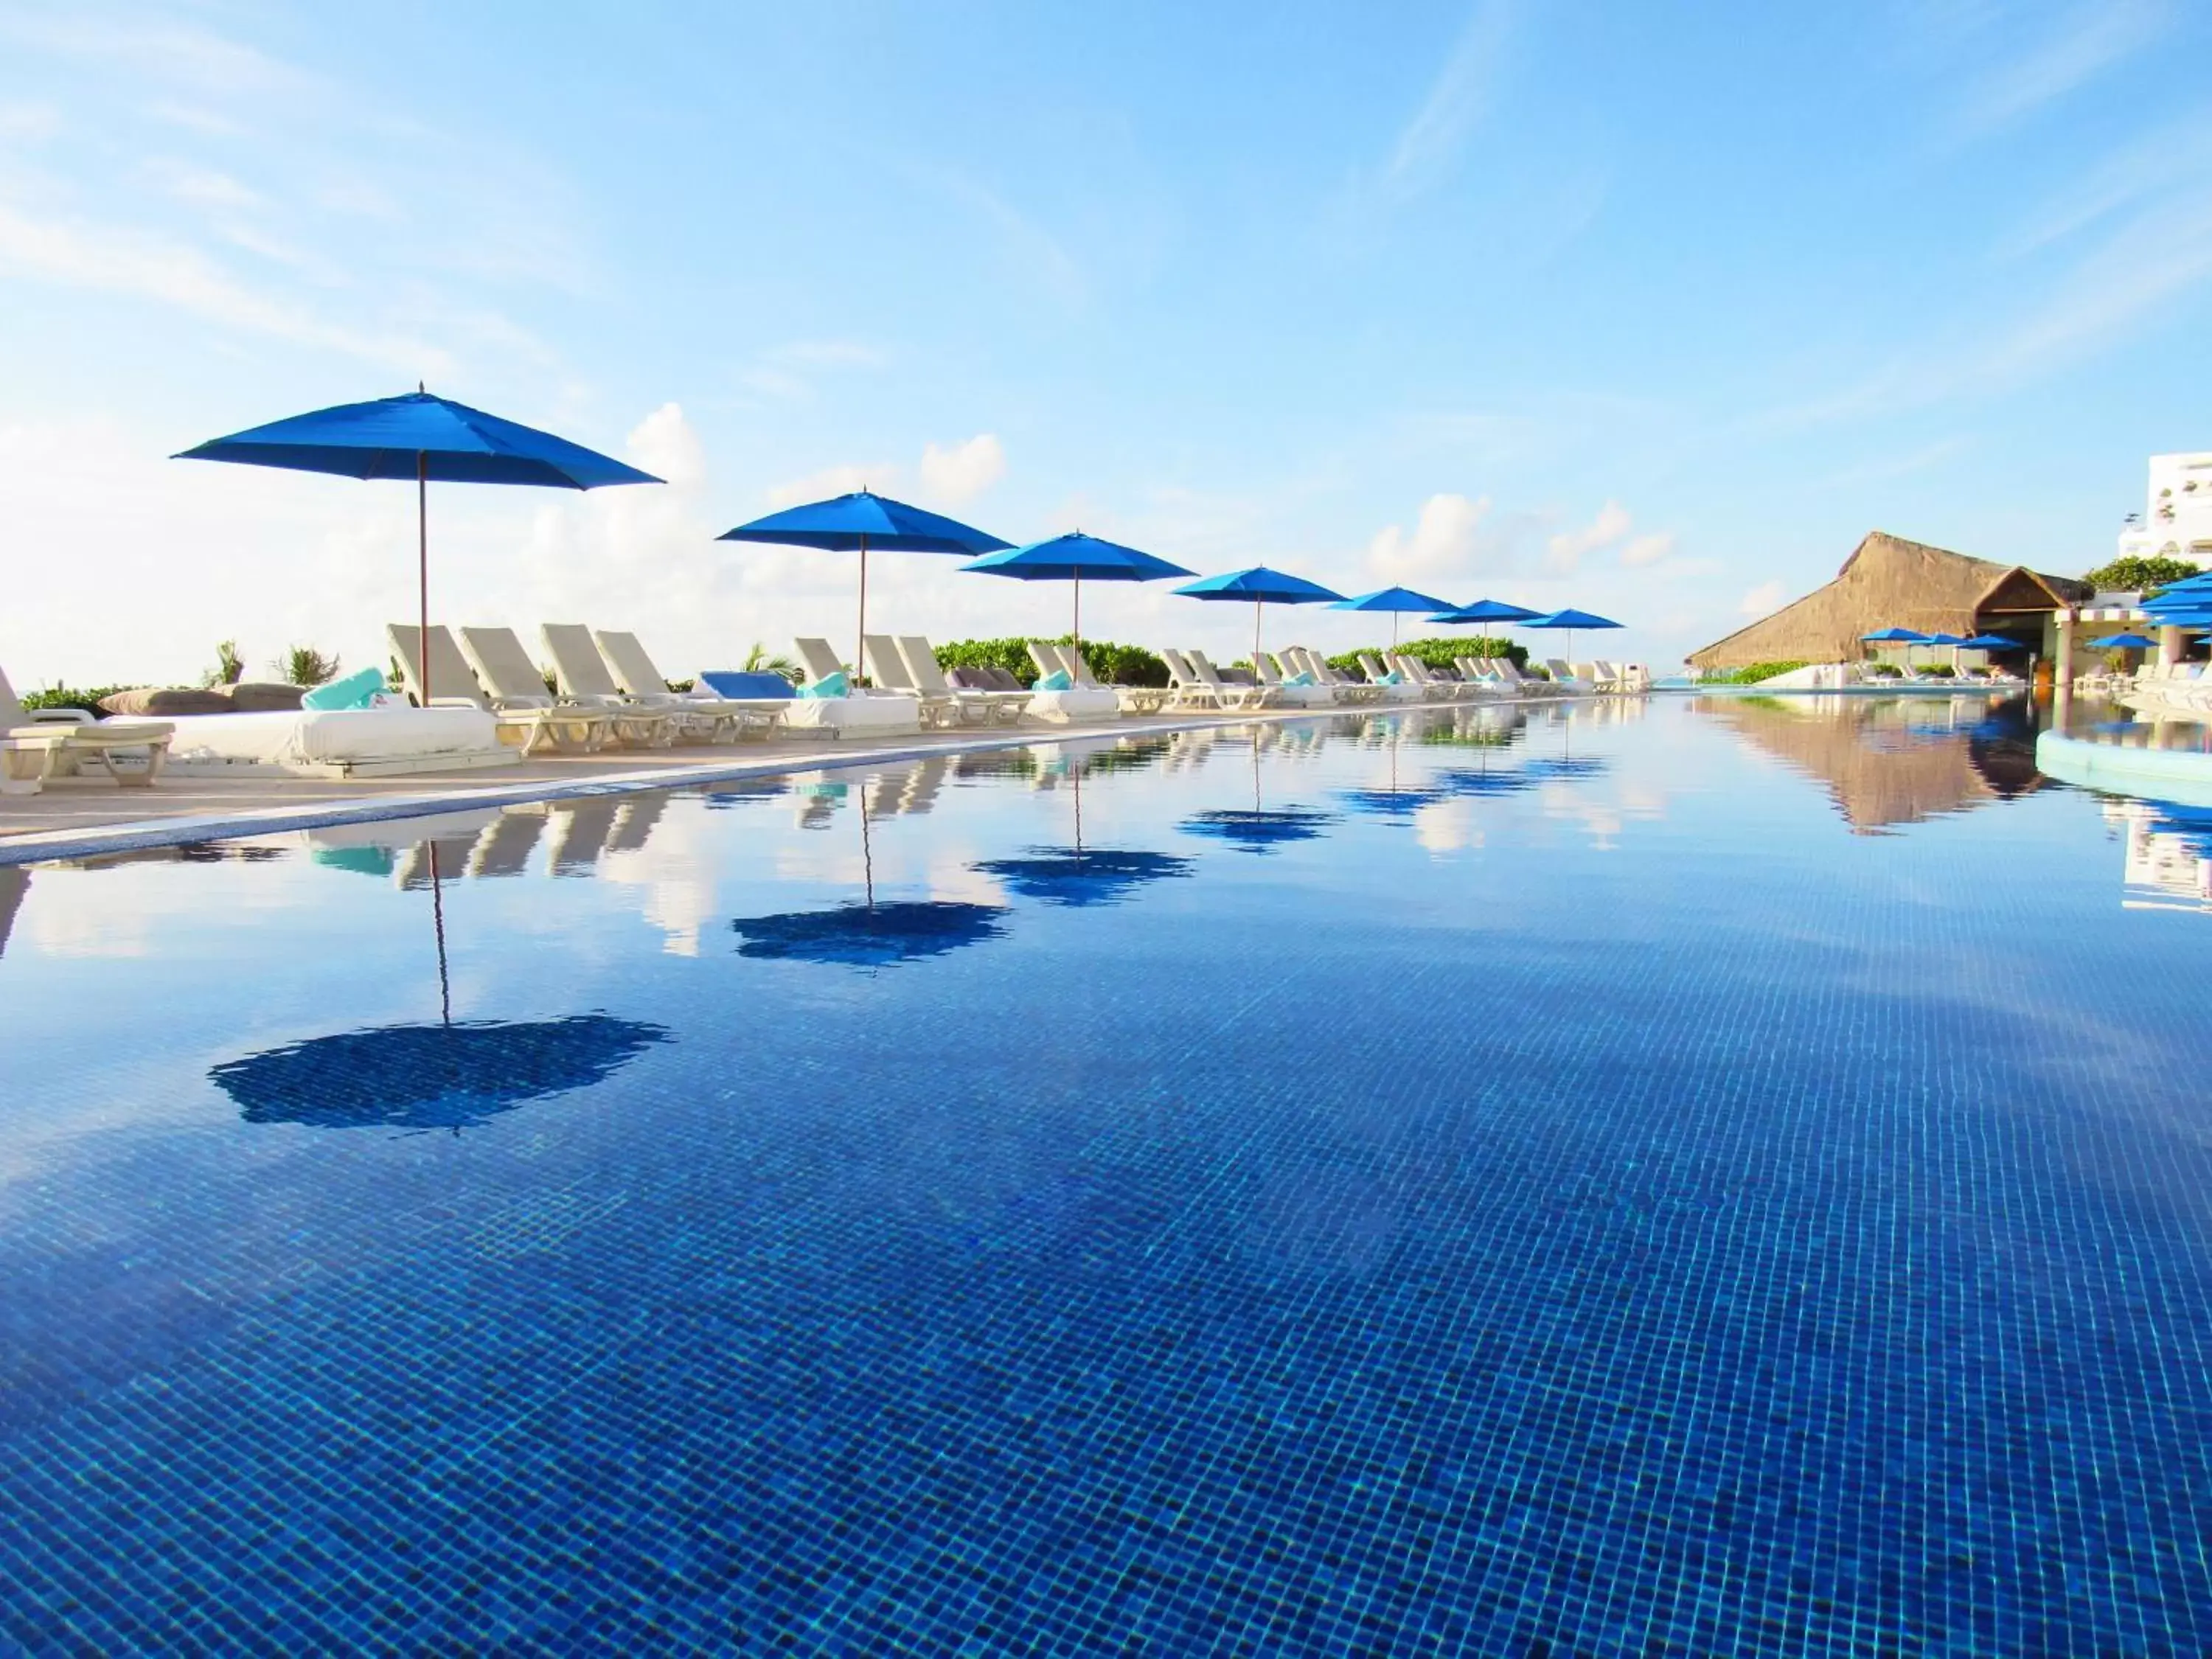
78, 819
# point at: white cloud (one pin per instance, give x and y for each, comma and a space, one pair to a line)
1567, 551
1431, 142
1647, 549
199, 186
1443, 542
1767, 596
965, 471
788, 371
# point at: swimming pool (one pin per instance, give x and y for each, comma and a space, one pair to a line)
1684, 1177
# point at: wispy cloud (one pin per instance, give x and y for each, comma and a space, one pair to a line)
2175, 157
2079, 47
1429, 145
1025, 243
1566, 551
177, 54
959, 472
790, 370
1901, 467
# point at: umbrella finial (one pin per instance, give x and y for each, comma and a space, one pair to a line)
421, 388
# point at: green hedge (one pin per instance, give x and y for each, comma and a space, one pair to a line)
1113, 664
64, 696
1752, 673
1437, 652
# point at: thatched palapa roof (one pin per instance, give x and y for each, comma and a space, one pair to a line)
1889, 582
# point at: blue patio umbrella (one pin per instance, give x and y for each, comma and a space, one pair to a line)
1895, 637
1571, 620
422, 437
2123, 642
1993, 642
1395, 600
1070, 558
857, 522
1259, 587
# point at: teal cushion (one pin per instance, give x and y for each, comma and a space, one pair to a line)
354, 692
829, 685
1299, 680
1055, 681
1391, 679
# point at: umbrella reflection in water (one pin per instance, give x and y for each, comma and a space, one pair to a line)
1393, 802
864, 934
1259, 829
1078, 875
454, 1074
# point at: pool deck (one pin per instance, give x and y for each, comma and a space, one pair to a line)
81, 818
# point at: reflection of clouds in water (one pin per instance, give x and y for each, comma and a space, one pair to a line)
952, 875
675, 870
68, 920
1600, 820
1447, 826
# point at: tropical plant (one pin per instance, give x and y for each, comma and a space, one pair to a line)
229, 667
760, 660
1440, 652
1111, 663
302, 665
67, 696
2140, 573
1752, 673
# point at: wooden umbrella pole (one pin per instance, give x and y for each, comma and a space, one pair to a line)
422, 572
860, 639
1077, 633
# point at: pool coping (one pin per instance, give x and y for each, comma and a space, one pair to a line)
132, 835
2161, 773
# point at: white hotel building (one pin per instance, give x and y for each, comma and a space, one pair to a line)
2176, 519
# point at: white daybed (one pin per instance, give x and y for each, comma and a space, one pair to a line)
338, 743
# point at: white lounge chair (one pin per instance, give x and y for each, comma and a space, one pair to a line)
642, 681
1185, 689
1132, 699
507, 673
1271, 675
888, 669
529, 727
1232, 696
55, 743
1003, 707
581, 676
1347, 690
1563, 674
1393, 688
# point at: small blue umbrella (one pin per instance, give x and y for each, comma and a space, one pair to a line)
861, 520
1895, 637
1993, 642
1070, 558
421, 437
1571, 620
1485, 610
1259, 586
2123, 642
1395, 600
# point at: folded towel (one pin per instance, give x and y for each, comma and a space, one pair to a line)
354, 692
827, 687
731, 683
1055, 681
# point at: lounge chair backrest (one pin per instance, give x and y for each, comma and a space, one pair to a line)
1371, 666
578, 667
886, 666
449, 671
821, 661
1558, 668
1078, 666
1207, 672
12, 711
1179, 668
922, 665
1264, 666
633, 670
503, 667
1046, 658
1004, 679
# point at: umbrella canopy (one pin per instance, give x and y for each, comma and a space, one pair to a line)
2125, 642
1486, 611
1395, 600
860, 934
1071, 558
430, 1077
861, 520
1571, 620
1084, 876
416, 435
1260, 587
1895, 637
1993, 642
1945, 639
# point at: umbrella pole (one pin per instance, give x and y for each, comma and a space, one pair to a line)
423, 595
860, 638
1258, 606
1077, 634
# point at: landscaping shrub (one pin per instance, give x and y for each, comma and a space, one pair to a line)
2142, 573
302, 665
1437, 652
1752, 673
1110, 663
64, 696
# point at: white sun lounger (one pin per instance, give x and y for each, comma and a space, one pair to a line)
1404, 690
531, 726
1185, 689
505, 670
1271, 676
1563, 674
860, 710
642, 681
1003, 706
887, 668
55, 743
581, 676
1233, 696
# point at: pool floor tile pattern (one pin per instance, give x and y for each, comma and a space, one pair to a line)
1448, 1291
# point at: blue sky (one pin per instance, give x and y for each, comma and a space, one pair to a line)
1603, 304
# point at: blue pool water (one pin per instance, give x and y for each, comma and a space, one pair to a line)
1715, 1176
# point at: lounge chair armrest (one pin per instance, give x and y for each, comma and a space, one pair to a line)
521, 704
452, 702
60, 717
